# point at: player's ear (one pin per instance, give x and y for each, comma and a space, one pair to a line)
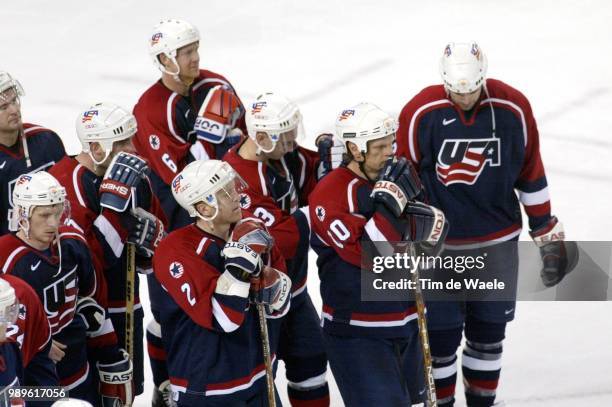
166, 62
263, 140
205, 210
96, 150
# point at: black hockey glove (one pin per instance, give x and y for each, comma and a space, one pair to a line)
92, 313
559, 257
146, 231
428, 227
124, 172
331, 151
397, 184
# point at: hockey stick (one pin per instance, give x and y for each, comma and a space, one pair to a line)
432, 400
130, 277
265, 343
129, 302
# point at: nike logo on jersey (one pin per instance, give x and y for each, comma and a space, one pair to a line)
508, 311
3, 164
446, 122
462, 160
35, 266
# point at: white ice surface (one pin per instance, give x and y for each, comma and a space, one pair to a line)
330, 54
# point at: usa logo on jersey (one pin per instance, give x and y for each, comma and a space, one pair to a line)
60, 298
463, 160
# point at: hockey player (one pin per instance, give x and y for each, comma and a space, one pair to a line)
24, 147
373, 347
475, 141
214, 274
92, 179
280, 175
55, 261
33, 334
11, 373
170, 136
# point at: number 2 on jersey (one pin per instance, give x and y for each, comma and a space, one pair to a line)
186, 288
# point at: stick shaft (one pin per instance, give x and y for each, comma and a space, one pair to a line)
265, 343
424, 335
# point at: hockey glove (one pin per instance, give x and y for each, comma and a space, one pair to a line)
241, 261
92, 313
253, 233
218, 116
397, 184
273, 289
123, 174
116, 386
146, 231
331, 152
428, 227
558, 256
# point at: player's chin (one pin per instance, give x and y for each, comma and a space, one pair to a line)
236, 214
15, 124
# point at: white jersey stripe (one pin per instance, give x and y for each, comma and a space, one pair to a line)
210, 80
534, 198
514, 106
411, 130
349, 195
201, 245
110, 235
10, 258
169, 117
75, 184
222, 319
262, 179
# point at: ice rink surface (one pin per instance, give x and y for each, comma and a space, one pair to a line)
329, 54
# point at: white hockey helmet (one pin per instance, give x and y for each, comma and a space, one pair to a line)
362, 123
37, 189
463, 67
104, 123
168, 36
8, 82
200, 181
69, 402
276, 116
9, 305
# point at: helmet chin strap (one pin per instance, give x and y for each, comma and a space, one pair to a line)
175, 75
208, 219
260, 149
96, 162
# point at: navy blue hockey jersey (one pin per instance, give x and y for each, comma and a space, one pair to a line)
342, 216
228, 364
45, 148
58, 286
471, 167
